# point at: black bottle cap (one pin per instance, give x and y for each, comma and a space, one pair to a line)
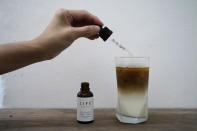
105, 33
85, 86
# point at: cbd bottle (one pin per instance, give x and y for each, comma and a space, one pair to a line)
85, 104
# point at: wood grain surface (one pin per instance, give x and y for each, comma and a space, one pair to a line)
65, 119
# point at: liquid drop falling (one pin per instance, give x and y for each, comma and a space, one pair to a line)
121, 47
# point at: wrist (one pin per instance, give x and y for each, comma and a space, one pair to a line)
44, 48
38, 49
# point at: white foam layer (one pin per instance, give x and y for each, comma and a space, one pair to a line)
134, 105
133, 62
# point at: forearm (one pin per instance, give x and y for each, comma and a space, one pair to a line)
17, 55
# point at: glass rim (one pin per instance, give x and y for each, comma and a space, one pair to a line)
133, 62
129, 57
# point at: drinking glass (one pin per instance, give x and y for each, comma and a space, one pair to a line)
132, 75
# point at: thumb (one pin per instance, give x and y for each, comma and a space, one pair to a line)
86, 31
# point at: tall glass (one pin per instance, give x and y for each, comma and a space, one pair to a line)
132, 81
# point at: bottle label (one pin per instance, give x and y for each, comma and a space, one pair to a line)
85, 109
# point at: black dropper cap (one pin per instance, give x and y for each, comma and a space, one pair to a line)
105, 33
85, 86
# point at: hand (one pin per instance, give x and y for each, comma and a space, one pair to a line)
65, 27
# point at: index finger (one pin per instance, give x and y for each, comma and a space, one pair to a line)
82, 18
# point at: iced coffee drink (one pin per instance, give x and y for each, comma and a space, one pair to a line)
132, 82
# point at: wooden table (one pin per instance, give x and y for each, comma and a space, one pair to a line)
65, 120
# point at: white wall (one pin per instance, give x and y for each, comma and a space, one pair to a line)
164, 30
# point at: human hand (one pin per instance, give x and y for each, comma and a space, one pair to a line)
65, 28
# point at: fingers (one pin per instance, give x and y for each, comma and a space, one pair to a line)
90, 31
82, 23
93, 37
83, 18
